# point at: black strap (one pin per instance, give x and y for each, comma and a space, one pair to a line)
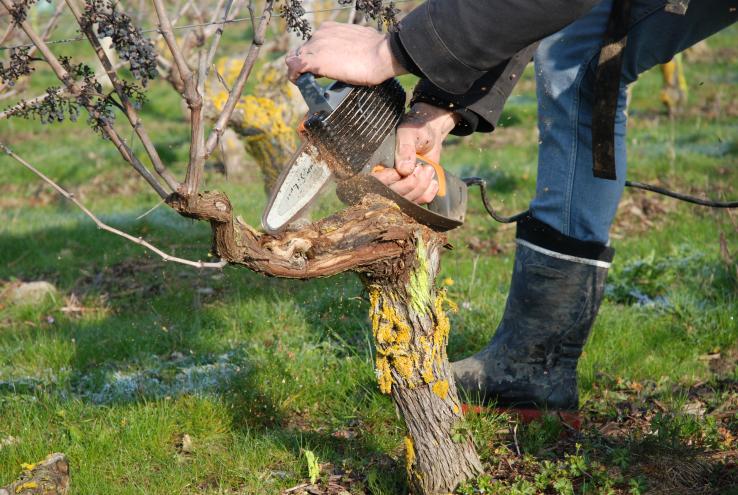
607, 85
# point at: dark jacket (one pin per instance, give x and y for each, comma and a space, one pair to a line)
470, 53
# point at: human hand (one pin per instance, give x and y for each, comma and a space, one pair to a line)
422, 132
347, 53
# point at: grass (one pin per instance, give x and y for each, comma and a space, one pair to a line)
132, 353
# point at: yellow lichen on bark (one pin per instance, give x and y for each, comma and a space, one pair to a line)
258, 112
409, 454
440, 388
28, 485
435, 349
384, 374
392, 336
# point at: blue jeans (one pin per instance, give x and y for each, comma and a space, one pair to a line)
568, 197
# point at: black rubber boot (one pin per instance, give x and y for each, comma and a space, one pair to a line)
557, 286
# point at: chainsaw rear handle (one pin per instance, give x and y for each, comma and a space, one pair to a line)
451, 198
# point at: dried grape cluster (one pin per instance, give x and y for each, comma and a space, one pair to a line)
19, 12
57, 105
19, 64
128, 41
99, 105
53, 108
377, 10
293, 12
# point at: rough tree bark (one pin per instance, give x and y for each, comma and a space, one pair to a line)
48, 477
410, 328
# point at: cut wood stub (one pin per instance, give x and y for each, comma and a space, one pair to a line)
411, 328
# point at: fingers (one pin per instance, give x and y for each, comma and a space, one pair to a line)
429, 194
414, 185
387, 176
344, 52
405, 157
296, 66
419, 186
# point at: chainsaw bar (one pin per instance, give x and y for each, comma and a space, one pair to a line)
350, 129
299, 183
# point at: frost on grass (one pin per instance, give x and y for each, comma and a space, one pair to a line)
652, 281
162, 379
156, 378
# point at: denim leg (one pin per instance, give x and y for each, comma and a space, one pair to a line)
568, 197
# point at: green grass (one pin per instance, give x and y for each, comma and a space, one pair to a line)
258, 370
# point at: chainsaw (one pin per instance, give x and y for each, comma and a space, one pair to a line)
348, 133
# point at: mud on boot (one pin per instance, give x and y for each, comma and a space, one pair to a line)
556, 289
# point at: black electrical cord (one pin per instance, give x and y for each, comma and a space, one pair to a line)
682, 197
478, 181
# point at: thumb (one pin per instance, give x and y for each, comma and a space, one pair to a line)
405, 150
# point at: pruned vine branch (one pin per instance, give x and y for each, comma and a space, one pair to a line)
102, 225
243, 75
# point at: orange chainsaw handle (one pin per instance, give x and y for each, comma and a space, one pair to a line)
440, 175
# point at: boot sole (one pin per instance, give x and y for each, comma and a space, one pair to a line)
570, 419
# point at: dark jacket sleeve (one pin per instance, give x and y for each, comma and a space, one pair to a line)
479, 108
453, 43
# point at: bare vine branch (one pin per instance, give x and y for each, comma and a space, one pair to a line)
213, 48
128, 107
192, 97
102, 225
238, 85
73, 88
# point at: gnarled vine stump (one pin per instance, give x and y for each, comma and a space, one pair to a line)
398, 260
411, 328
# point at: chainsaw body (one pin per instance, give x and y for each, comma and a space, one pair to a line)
347, 133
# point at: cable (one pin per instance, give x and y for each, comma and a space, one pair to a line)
478, 181
682, 197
